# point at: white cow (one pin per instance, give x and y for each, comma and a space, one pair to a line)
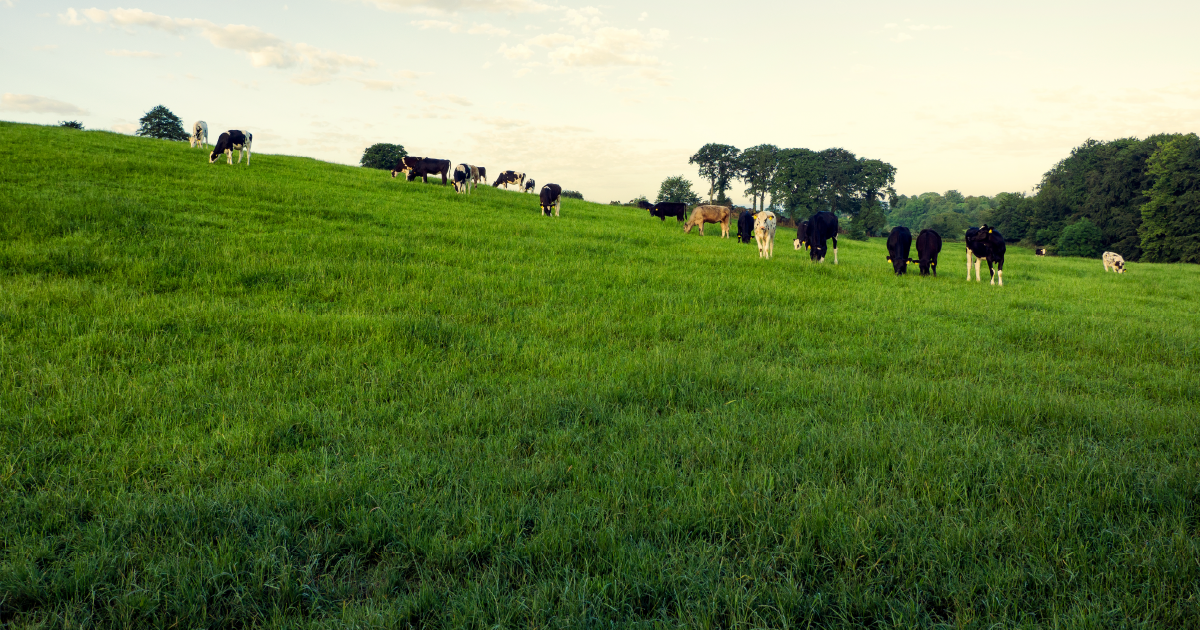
199, 134
1114, 260
764, 233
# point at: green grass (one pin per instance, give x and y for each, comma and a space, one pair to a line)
307, 395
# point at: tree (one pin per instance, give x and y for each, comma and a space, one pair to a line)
948, 225
717, 164
756, 167
1170, 228
839, 176
796, 184
161, 123
71, 124
678, 190
382, 156
573, 194
1081, 238
876, 179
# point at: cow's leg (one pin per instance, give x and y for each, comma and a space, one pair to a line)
229, 156
968, 264
835, 248
1000, 272
247, 154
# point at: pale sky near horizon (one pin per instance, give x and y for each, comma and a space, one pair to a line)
610, 98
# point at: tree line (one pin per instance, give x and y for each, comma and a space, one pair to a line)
1139, 198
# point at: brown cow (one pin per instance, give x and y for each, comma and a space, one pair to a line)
709, 214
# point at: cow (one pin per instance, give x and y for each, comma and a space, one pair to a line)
482, 175
899, 243
745, 226
551, 197
462, 178
664, 209
474, 174
708, 214
414, 167
764, 233
199, 135
986, 244
529, 186
1114, 260
1039, 252
801, 235
230, 141
929, 245
510, 177
822, 227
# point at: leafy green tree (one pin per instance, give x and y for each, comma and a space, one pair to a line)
839, 179
797, 183
718, 163
382, 156
1081, 238
161, 123
953, 196
71, 124
876, 179
1170, 228
756, 167
1010, 215
677, 189
948, 225
573, 194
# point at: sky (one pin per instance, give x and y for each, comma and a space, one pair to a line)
611, 98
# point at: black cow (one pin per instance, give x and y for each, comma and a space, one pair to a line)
551, 199
416, 167
746, 227
230, 141
899, 243
510, 177
986, 244
530, 186
822, 227
1039, 251
801, 235
482, 174
929, 245
664, 209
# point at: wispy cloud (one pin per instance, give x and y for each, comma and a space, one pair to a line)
37, 105
453, 6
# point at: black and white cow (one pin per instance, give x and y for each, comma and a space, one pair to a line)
929, 245
462, 178
414, 167
199, 135
822, 227
1039, 252
986, 244
745, 227
510, 177
899, 243
551, 197
529, 186
801, 235
230, 141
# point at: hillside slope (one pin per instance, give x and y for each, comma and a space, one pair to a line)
301, 394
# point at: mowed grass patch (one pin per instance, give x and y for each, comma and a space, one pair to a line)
307, 395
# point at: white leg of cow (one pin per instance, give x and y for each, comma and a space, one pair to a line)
229, 157
247, 154
835, 255
968, 264
1000, 276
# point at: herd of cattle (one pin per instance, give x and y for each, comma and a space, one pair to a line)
982, 243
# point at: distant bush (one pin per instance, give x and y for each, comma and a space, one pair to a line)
1081, 238
382, 156
574, 194
949, 225
161, 123
71, 124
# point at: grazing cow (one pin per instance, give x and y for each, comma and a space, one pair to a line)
801, 235
414, 167
482, 175
1114, 260
474, 174
745, 226
822, 227
1039, 252
899, 242
510, 177
986, 244
551, 197
199, 135
929, 245
708, 214
462, 178
664, 209
529, 186
764, 233
230, 141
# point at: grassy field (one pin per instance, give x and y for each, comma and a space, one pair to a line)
303, 395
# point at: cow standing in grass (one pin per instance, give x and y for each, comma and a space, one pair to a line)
199, 135
801, 235
985, 243
551, 199
230, 141
764, 233
822, 227
510, 177
1114, 260
745, 226
414, 167
899, 244
530, 186
708, 214
929, 245
664, 209
462, 178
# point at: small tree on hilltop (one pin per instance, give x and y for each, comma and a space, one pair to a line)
161, 123
382, 156
677, 190
1081, 238
71, 124
573, 194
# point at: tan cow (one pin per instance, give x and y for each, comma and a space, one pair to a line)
764, 233
709, 214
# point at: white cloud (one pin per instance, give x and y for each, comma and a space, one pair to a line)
37, 105
609, 46
145, 54
520, 51
902, 37
451, 6
643, 16
264, 50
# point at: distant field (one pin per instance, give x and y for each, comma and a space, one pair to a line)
307, 395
